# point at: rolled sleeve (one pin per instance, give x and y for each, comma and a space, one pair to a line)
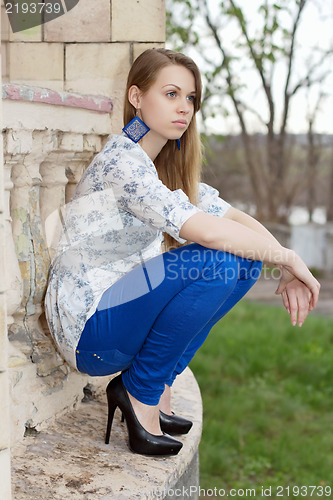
211, 202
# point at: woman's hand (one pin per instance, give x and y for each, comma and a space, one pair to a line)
299, 296
296, 299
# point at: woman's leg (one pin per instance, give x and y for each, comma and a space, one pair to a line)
183, 325
250, 272
150, 333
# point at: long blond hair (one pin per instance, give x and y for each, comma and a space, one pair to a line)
176, 169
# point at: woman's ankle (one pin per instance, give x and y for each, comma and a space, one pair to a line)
165, 401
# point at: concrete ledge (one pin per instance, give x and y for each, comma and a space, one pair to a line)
17, 92
34, 108
70, 459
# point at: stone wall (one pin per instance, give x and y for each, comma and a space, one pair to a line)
5, 483
47, 146
63, 85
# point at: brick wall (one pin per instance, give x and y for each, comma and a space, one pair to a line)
87, 50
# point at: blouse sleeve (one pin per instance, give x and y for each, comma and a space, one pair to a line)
134, 182
210, 201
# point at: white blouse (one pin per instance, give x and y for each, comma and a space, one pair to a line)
114, 222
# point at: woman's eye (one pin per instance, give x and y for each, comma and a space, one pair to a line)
171, 94
191, 98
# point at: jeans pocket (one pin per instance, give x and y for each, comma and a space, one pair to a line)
100, 363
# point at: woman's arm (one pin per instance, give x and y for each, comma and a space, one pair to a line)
224, 233
248, 221
249, 240
296, 297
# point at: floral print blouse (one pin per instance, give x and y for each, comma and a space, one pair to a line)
113, 223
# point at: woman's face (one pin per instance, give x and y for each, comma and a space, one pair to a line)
168, 106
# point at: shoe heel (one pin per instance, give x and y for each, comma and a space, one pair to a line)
140, 440
112, 409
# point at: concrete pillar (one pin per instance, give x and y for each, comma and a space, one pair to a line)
12, 273
5, 483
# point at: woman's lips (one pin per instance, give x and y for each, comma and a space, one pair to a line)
180, 123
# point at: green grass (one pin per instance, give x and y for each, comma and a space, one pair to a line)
267, 390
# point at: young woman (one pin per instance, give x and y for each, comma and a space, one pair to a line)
115, 301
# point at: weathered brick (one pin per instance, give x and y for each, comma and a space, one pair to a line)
97, 68
36, 62
92, 142
71, 142
4, 61
87, 22
5, 26
33, 34
138, 48
139, 20
19, 141
117, 113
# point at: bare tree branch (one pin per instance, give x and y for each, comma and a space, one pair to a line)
260, 68
291, 56
308, 79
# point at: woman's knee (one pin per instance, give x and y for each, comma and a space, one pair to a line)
234, 268
197, 262
250, 270
221, 266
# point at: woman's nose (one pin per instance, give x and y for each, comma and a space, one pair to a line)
184, 106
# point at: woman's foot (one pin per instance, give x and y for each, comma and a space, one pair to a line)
170, 423
148, 416
148, 440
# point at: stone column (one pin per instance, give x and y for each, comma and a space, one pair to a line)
30, 245
12, 273
27, 233
91, 145
61, 171
52, 197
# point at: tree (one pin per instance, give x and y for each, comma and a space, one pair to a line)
314, 151
330, 196
234, 45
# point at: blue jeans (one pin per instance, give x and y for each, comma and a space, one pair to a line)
151, 322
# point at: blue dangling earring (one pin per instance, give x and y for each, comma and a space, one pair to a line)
136, 129
178, 144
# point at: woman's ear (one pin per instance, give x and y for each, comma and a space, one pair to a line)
134, 95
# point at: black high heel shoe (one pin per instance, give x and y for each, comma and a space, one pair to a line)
172, 424
140, 440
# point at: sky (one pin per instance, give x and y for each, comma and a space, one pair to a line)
315, 31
